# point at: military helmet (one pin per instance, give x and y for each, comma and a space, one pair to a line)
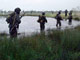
59, 12
43, 13
17, 9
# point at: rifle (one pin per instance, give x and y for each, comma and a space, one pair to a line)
22, 15
14, 25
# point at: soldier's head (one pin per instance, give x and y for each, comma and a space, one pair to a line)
17, 10
43, 13
66, 10
70, 13
59, 12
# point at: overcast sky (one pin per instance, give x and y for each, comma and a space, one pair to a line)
40, 5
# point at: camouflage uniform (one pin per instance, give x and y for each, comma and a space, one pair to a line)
59, 18
66, 13
14, 22
42, 20
70, 18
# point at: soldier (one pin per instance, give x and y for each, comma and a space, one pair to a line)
70, 18
66, 12
42, 20
14, 21
59, 18
70, 12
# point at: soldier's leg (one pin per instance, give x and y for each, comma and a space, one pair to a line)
15, 32
10, 32
60, 24
65, 14
69, 22
57, 24
41, 26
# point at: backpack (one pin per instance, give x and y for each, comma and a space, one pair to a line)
58, 17
10, 18
70, 17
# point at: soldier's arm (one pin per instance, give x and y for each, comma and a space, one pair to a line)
18, 19
45, 19
22, 15
61, 17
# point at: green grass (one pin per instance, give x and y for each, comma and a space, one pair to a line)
56, 45
76, 16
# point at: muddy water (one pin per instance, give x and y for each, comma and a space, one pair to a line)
29, 25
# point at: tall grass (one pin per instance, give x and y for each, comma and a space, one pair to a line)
56, 45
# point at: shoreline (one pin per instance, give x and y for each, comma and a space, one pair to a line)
25, 34
77, 18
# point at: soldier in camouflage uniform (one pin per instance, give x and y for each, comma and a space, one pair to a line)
70, 18
42, 20
14, 21
58, 18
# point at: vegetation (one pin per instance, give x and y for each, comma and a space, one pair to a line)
76, 14
55, 45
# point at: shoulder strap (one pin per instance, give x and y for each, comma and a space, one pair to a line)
14, 17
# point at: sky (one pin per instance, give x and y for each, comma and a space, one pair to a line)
39, 5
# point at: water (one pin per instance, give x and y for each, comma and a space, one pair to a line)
29, 25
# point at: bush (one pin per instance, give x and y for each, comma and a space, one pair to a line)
77, 18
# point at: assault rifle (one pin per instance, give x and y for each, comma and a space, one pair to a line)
15, 25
